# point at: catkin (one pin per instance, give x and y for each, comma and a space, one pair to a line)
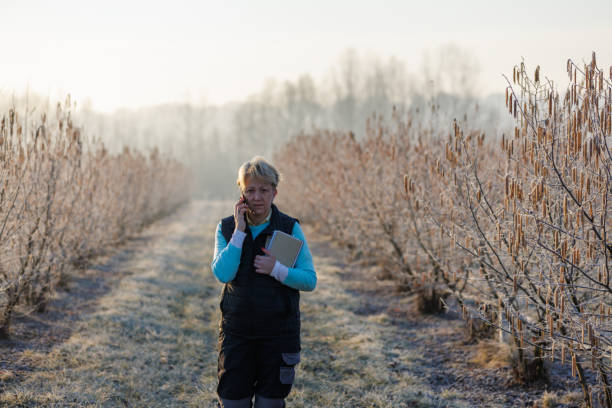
562, 354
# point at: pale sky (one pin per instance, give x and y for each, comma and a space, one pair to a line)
134, 53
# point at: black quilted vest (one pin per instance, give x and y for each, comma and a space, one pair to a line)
253, 304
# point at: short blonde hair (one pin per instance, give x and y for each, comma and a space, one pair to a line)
258, 167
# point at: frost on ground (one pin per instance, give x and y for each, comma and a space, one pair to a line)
140, 330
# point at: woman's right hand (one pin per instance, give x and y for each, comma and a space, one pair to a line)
240, 210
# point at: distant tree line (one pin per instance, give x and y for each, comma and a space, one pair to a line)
214, 140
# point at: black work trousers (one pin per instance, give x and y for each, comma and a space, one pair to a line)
256, 366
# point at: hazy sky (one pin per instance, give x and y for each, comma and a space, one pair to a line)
130, 53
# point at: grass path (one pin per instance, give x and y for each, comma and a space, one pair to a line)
150, 341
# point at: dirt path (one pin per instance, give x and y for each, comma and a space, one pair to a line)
146, 337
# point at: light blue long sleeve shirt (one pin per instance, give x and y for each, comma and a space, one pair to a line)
227, 259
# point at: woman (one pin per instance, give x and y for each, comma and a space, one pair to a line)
259, 340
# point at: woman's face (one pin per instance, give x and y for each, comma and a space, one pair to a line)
259, 194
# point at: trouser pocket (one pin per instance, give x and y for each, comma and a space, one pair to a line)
287, 371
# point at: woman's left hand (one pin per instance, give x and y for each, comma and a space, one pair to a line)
264, 263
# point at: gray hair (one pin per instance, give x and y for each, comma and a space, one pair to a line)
259, 168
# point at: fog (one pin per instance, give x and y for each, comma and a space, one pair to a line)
215, 140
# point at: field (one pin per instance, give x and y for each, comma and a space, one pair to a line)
456, 268
138, 328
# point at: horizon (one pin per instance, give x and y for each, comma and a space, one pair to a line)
125, 55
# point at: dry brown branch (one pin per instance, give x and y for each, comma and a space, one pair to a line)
517, 229
63, 199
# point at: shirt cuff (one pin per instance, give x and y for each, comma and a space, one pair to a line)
238, 238
279, 272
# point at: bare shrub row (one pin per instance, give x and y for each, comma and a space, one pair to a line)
515, 228
64, 199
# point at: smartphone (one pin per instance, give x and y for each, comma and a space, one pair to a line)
244, 200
